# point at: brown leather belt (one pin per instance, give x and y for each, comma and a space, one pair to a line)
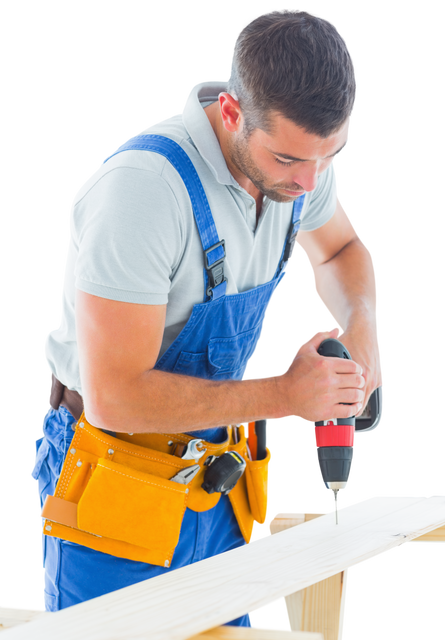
61, 396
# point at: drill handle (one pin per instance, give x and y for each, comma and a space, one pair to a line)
332, 348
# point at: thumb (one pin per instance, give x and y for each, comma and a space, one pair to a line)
316, 341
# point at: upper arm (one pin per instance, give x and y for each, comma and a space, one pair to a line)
322, 244
118, 342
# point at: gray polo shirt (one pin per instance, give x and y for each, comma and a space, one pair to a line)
134, 237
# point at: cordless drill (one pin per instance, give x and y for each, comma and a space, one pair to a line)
335, 437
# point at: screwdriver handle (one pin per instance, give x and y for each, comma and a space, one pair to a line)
260, 429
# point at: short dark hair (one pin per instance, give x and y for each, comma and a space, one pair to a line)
295, 64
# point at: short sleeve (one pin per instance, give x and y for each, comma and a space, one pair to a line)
321, 203
129, 236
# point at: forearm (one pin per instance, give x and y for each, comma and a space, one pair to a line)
170, 403
346, 285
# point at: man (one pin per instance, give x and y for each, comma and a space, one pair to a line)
165, 295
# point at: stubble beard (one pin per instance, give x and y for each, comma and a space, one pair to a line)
240, 157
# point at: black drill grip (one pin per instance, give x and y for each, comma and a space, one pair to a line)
332, 348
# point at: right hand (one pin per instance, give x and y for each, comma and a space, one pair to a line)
316, 387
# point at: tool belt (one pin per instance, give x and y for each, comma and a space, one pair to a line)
115, 495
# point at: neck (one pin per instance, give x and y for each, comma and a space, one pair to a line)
214, 115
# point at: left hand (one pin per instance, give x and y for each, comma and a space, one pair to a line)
361, 342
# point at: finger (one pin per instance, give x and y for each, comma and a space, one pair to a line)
314, 343
343, 366
352, 409
364, 404
350, 396
322, 334
359, 410
351, 381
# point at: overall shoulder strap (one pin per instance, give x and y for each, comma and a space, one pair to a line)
290, 246
214, 248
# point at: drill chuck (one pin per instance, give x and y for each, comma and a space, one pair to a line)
335, 486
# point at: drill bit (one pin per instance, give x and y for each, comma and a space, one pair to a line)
335, 495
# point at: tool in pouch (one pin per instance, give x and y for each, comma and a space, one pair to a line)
222, 472
335, 437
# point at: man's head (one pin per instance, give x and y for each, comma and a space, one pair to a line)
296, 65
288, 103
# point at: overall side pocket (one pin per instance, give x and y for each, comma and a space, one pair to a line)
41, 470
41, 473
132, 506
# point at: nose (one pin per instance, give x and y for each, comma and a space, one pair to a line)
306, 176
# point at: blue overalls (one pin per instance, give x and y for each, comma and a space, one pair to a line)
216, 343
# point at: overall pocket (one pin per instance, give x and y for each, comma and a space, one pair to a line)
224, 358
139, 508
41, 471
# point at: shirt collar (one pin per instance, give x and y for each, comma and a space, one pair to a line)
201, 132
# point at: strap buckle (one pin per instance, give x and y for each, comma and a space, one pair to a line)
291, 247
215, 272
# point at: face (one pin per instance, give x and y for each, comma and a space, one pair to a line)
286, 163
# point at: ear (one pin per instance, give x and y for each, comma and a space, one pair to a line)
230, 112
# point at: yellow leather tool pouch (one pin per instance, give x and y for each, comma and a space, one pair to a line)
139, 501
116, 496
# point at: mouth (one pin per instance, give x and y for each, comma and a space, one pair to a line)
295, 194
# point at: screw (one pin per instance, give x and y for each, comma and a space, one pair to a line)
79, 463
81, 424
48, 527
167, 563
111, 451
170, 442
72, 451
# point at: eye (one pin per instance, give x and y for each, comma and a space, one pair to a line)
286, 164
337, 155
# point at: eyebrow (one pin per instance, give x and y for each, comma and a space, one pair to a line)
288, 157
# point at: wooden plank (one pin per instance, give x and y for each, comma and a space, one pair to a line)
317, 608
188, 601
320, 607
12, 617
438, 535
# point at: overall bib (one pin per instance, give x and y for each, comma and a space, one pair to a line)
216, 343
